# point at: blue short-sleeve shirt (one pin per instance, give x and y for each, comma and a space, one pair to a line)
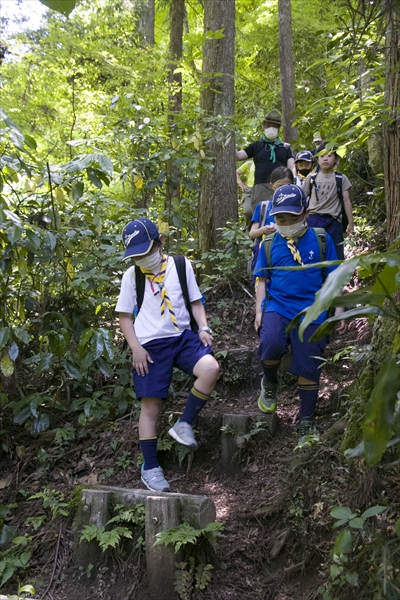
289, 292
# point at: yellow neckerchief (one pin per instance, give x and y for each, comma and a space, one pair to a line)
165, 300
291, 244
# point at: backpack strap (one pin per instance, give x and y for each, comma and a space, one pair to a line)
339, 186
180, 264
268, 240
264, 212
140, 280
320, 234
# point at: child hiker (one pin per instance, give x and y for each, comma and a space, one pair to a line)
282, 294
161, 338
330, 205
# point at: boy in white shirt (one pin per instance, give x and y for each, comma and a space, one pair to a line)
160, 339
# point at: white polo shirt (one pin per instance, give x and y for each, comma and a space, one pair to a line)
149, 325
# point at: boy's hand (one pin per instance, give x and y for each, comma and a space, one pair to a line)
206, 338
257, 321
267, 229
140, 358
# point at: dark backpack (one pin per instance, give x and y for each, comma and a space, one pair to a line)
180, 264
321, 239
339, 187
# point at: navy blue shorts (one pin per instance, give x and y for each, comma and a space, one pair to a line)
274, 343
183, 351
331, 226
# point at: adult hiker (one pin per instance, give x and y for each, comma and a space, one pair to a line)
268, 153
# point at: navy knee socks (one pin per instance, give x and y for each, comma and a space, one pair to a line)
308, 394
195, 402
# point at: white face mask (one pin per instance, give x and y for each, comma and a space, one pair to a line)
150, 262
271, 133
291, 231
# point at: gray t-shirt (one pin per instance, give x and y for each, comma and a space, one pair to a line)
324, 197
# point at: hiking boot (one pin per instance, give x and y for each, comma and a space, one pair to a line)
154, 480
308, 433
183, 433
267, 399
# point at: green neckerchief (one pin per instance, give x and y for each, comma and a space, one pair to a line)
272, 146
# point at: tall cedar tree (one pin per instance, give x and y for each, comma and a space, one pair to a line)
218, 201
391, 126
287, 69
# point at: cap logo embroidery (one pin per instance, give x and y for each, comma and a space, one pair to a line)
128, 238
282, 197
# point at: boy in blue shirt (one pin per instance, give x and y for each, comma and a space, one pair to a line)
282, 294
160, 339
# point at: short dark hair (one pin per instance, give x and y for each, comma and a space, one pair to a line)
281, 173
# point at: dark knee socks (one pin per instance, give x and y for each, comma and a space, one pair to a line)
308, 394
270, 375
195, 402
149, 451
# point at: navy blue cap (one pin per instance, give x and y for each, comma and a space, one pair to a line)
289, 199
138, 237
304, 155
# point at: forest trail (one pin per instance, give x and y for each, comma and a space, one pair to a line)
268, 550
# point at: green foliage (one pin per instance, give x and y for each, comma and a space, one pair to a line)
111, 538
53, 500
380, 274
105, 539
195, 544
24, 589
230, 261
350, 545
15, 558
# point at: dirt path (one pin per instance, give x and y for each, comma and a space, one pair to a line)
268, 550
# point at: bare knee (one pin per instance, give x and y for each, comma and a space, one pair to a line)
207, 369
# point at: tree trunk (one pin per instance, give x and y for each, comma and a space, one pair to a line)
144, 11
391, 126
218, 202
177, 14
287, 70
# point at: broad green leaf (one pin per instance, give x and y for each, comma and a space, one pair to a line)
97, 345
104, 367
372, 511
22, 415
352, 579
92, 175
343, 543
39, 424
327, 326
13, 351
64, 7
6, 366
22, 335
4, 336
357, 523
14, 234
72, 371
341, 512
335, 571
386, 282
58, 342
17, 138
379, 415
331, 288
77, 190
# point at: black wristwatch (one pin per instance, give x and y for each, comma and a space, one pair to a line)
206, 328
